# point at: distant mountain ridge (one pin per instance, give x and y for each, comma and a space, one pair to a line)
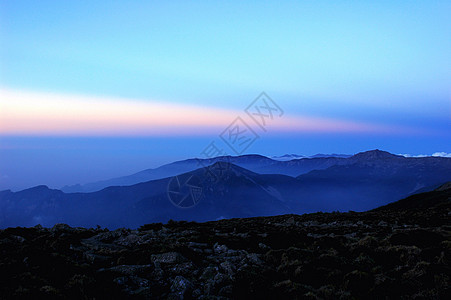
376, 177
375, 154
319, 155
246, 161
239, 193
364, 181
290, 164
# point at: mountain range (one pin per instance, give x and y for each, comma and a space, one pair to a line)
231, 187
290, 164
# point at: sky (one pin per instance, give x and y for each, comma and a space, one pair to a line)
93, 90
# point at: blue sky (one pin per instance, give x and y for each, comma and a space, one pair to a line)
383, 64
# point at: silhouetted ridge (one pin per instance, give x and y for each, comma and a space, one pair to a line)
374, 154
437, 198
229, 168
245, 186
38, 188
444, 187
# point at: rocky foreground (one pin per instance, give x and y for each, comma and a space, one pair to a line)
399, 253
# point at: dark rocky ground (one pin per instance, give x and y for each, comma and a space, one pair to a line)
391, 252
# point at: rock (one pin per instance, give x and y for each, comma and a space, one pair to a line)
358, 282
38, 227
133, 285
197, 245
168, 258
417, 237
399, 255
263, 246
181, 286
368, 242
130, 269
158, 273
208, 289
220, 278
109, 236
226, 291
129, 240
364, 261
327, 291
382, 223
209, 273
310, 295
50, 291
254, 258
60, 228
185, 268
18, 239
418, 271
97, 259
97, 245
196, 293
140, 281
235, 253
220, 248
228, 268
26, 261
290, 221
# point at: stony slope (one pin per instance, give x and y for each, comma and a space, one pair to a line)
386, 253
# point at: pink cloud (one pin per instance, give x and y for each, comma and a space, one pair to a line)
32, 113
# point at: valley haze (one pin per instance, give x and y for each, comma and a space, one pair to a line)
229, 187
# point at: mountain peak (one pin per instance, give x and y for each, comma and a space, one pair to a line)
374, 154
444, 187
227, 167
38, 188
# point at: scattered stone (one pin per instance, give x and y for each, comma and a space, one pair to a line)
59, 228
228, 268
263, 246
318, 256
254, 258
181, 286
209, 273
220, 248
290, 221
129, 269
96, 259
168, 258
18, 239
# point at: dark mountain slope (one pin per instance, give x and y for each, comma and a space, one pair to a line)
238, 193
438, 197
368, 183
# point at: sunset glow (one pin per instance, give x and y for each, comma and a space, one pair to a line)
56, 114
96, 89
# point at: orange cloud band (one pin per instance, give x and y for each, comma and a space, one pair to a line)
32, 113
